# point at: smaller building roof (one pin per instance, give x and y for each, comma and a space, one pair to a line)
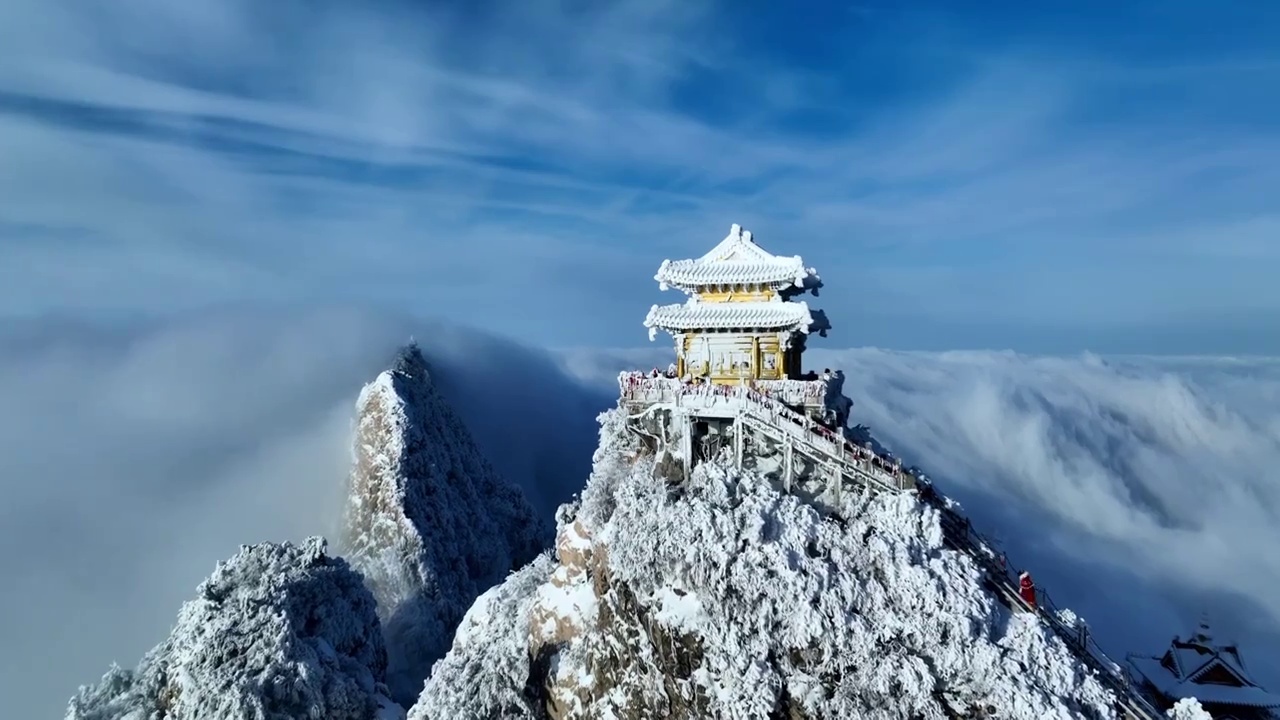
737, 259
1210, 671
1168, 684
696, 315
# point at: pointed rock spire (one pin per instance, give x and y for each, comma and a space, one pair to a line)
429, 522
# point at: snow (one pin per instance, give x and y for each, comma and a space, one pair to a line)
573, 538
737, 259
571, 602
1070, 619
278, 630
489, 664
679, 608
429, 522
1188, 709
715, 597
697, 315
725, 598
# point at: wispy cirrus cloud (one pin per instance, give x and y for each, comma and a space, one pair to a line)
157, 154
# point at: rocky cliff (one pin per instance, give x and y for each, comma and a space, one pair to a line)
429, 523
277, 631
725, 598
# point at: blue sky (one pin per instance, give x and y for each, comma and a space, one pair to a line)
964, 175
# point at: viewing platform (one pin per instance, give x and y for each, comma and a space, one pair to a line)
821, 400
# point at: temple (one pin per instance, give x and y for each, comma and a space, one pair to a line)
738, 384
738, 392
1212, 672
739, 322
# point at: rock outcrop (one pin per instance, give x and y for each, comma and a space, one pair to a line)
277, 631
429, 523
723, 597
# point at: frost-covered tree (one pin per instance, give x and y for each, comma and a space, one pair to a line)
723, 597
1188, 709
278, 631
429, 522
489, 674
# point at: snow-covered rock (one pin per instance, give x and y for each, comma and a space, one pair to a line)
429, 522
277, 631
723, 597
1188, 709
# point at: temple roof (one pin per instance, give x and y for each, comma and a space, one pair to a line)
694, 315
737, 259
1168, 684
1200, 667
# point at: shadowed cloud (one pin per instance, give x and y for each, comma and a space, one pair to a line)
133, 458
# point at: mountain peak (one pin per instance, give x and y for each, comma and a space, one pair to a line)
409, 361
278, 630
719, 595
429, 522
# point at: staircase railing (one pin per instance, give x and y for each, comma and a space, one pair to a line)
824, 452
647, 390
962, 536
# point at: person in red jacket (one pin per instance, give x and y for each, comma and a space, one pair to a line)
1027, 588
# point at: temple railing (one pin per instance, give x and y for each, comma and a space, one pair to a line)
774, 401
962, 536
642, 387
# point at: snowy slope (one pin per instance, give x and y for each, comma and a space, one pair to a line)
276, 631
725, 598
428, 521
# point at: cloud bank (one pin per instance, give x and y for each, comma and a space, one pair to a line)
134, 457
1139, 490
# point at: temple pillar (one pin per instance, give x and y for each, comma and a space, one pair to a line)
787, 460
738, 440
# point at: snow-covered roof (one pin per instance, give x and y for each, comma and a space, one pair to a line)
695, 315
737, 259
1201, 668
1168, 684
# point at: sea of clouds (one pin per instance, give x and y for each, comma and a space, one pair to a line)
133, 457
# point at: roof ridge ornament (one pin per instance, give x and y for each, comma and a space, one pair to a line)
739, 260
1204, 633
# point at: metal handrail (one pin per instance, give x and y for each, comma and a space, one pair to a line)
1108, 670
846, 465
672, 390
